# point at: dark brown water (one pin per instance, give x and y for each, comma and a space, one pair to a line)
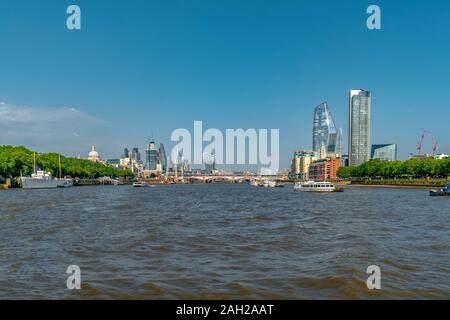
223, 241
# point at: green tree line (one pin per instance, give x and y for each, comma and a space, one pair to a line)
397, 169
15, 161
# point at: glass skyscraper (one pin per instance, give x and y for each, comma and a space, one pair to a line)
162, 158
384, 152
324, 130
151, 157
359, 127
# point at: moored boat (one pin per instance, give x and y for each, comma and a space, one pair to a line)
139, 184
41, 179
442, 192
312, 186
269, 184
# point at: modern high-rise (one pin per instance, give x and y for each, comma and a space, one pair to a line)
324, 130
135, 154
162, 158
151, 157
359, 127
339, 142
386, 152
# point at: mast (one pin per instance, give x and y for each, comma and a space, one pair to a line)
34, 162
59, 162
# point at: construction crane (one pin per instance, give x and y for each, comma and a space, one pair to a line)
434, 141
420, 144
435, 144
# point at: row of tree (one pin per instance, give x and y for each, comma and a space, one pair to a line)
15, 161
396, 169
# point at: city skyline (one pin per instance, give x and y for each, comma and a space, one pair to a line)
165, 65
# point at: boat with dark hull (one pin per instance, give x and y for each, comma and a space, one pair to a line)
443, 192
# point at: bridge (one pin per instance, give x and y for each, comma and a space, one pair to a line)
233, 179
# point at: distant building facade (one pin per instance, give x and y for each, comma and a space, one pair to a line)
162, 158
359, 127
135, 154
300, 164
126, 153
324, 169
324, 130
386, 152
151, 158
210, 163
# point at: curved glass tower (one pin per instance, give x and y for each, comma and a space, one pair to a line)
324, 130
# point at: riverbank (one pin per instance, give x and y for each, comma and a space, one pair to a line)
404, 183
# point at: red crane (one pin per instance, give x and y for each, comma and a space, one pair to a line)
435, 145
433, 139
420, 144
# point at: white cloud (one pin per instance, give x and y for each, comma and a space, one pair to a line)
65, 129
36, 116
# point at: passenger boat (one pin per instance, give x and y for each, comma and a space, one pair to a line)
139, 184
269, 184
312, 186
442, 192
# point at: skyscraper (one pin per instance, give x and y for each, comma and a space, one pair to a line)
339, 142
135, 154
151, 157
162, 158
359, 127
324, 130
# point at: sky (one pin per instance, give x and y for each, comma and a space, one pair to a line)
138, 69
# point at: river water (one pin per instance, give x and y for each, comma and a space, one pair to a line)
223, 241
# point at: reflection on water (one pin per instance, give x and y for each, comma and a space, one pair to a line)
223, 241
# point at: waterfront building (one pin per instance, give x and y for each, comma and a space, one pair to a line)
94, 155
324, 130
301, 161
359, 127
384, 152
324, 169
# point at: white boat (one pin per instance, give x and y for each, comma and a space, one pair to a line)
41, 179
139, 184
269, 184
255, 183
312, 186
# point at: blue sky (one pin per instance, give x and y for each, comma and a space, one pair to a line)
138, 67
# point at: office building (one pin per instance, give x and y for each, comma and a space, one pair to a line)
324, 130
384, 152
359, 127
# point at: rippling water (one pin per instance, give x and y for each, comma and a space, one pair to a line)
223, 241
